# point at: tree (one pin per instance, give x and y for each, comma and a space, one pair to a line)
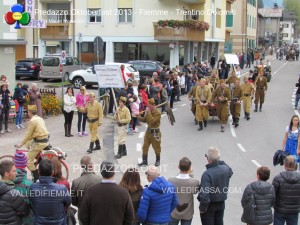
294, 7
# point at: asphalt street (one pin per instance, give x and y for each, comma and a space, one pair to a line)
244, 149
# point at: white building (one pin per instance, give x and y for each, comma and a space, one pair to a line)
287, 27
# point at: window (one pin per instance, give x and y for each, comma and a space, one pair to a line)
218, 18
69, 61
50, 61
76, 61
149, 66
139, 66
285, 35
62, 13
229, 20
94, 15
285, 25
125, 15
87, 47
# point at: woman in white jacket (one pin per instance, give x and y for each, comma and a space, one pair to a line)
69, 107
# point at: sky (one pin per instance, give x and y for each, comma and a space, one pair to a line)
270, 3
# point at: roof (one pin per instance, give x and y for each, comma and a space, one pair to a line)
286, 15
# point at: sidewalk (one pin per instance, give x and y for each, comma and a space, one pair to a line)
75, 147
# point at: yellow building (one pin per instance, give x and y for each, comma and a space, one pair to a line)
244, 34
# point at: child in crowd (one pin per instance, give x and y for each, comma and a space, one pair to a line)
135, 110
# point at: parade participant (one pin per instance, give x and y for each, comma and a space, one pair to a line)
231, 80
203, 98
291, 138
123, 118
223, 96
248, 91
235, 104
153, 135
214, 79
95, 116
192, 97
252, 76
35, 139
261, 86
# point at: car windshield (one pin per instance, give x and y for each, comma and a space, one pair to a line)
131, 69
50, 61
24, 63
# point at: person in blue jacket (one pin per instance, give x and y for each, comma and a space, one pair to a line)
158, 199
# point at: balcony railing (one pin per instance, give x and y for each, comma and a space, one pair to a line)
175, 34
55, 31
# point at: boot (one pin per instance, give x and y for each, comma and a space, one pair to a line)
145, 161
124, 150
157, 162
236, 122
233, 120
200, 126
260, 106
205, 123
245, 117
35, 175
222, 128
248, 116
255, 110
98, 147
69, 130
119, 155
90, 150
66, 130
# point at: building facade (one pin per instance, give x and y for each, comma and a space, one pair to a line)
244, 34
287, 28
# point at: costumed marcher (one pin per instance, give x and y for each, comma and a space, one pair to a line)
192, 98
35, 139
291, 138
122, 116
153, 136
222, 96
235, 103
248, 91
261, 86
94, 117
214, 79
231, 80
203, 98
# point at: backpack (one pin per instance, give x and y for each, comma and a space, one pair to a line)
249, 210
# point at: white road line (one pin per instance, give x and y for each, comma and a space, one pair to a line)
293, 96
231, 127
279, 69
141, 134
241, 147
183, 105
140, 160
255, 163
174, 109
163, 115
139, 147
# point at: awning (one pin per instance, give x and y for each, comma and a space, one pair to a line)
12, 42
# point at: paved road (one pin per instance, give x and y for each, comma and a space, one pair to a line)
245, 148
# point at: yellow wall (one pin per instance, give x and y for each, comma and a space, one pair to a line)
125, 3
94, 4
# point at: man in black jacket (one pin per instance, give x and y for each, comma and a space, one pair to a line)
213, 188
13, 206
287, 189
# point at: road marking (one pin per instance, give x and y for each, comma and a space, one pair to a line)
140, 160
141, 134
174, 109
231, 128
139, 147
183, 105
163, 115
255, 163
279, 69
241, 147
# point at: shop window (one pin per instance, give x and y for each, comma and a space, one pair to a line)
125, 15
94, 15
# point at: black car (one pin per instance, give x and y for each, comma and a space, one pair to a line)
28, 68
147, 67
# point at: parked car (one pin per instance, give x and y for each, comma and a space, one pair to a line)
29, 67
88, 77
52, 67
147, 67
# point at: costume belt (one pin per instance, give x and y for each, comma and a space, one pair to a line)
92, 120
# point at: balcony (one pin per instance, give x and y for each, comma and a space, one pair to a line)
194, 1
174, 34
55, 31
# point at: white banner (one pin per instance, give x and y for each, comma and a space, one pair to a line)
109, 76
232, 59
30, 8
